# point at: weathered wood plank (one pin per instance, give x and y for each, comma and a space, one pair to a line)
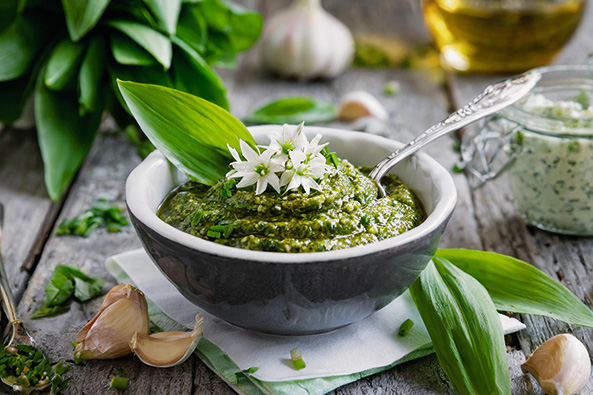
568, 259
28, 211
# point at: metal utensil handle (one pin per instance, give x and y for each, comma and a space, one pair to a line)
5, 292
493, 99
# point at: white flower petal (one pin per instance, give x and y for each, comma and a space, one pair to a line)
234, 153
262, 184
287, 177
248, 152
248, 179
243, 166
274, 181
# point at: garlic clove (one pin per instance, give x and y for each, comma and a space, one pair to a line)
358, 104
123, 313
561, 365
116, 293
166, 349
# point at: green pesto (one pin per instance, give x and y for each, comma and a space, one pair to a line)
345, 213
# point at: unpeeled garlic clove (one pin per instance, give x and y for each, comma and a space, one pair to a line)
123, 312
166, 349
561, 365
358, 104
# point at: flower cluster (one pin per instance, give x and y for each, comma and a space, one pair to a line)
289, 161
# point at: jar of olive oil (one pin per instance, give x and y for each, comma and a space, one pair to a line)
491, 36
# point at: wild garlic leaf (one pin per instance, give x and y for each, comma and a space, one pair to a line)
154, 42
166, 12
63, 64
126, 51
82, 15
84, 290
464, 328
20, 43
293, 110
519, 287
50, 311
90, 76
8, 12
190, 131
192, 27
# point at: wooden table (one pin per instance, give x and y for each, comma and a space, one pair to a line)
484, 219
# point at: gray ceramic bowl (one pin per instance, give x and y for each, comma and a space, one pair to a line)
294, 294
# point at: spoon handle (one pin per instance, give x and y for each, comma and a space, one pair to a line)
494, 98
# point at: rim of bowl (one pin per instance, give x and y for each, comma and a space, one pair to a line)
138, 206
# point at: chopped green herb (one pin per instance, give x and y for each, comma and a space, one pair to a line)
583, 99
297, 359
227, 190
196, 217
213, 234
67, 282
391, 88
293, 110
119, 383
155, 329
458, 169
405, 327
101, 214
27, 366
456, 146
334, 159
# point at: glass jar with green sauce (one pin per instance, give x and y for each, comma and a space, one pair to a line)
546, 143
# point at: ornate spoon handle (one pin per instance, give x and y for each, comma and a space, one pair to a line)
493, 99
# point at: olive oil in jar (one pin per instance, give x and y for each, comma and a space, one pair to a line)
500, 35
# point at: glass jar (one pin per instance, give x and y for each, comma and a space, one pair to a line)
500, 35
546, 142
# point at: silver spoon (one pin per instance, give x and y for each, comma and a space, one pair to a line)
18, 333
493, 99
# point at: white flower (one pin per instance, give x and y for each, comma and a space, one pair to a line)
303, 171
286, 141
312, 148
258, 169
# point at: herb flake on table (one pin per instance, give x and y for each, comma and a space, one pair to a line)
102, 214
293, 110
66, 283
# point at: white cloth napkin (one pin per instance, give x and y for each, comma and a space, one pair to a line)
368, 344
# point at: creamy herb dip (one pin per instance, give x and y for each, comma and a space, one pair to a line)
345, 213
552, 177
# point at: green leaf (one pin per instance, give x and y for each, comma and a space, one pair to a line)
166, 12
127, 52
190, 131
464, 328
154, 42
90, 76
192, 74
20, 42
8, 12
146, 74
50, 311
64, 137
84, 290
82, 15
192, 27
59, 289
63, 64
293, 110
519, 287
242, 26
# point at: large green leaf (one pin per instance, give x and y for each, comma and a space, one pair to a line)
63, 64
154, 42
293, 110
90, 76
190, 131
82, 15
8, 12
519, 287
127, 52
64, 137
166, 12
192, 27
464, 328
242, 26
19, 44
192, 74
146, 75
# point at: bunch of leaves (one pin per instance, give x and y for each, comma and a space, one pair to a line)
67, 282
458, 296
101, 214
68, 54
26, 366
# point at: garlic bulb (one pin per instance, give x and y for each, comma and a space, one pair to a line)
561, 365
123, 312
305, 41
166, 349
358, 104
